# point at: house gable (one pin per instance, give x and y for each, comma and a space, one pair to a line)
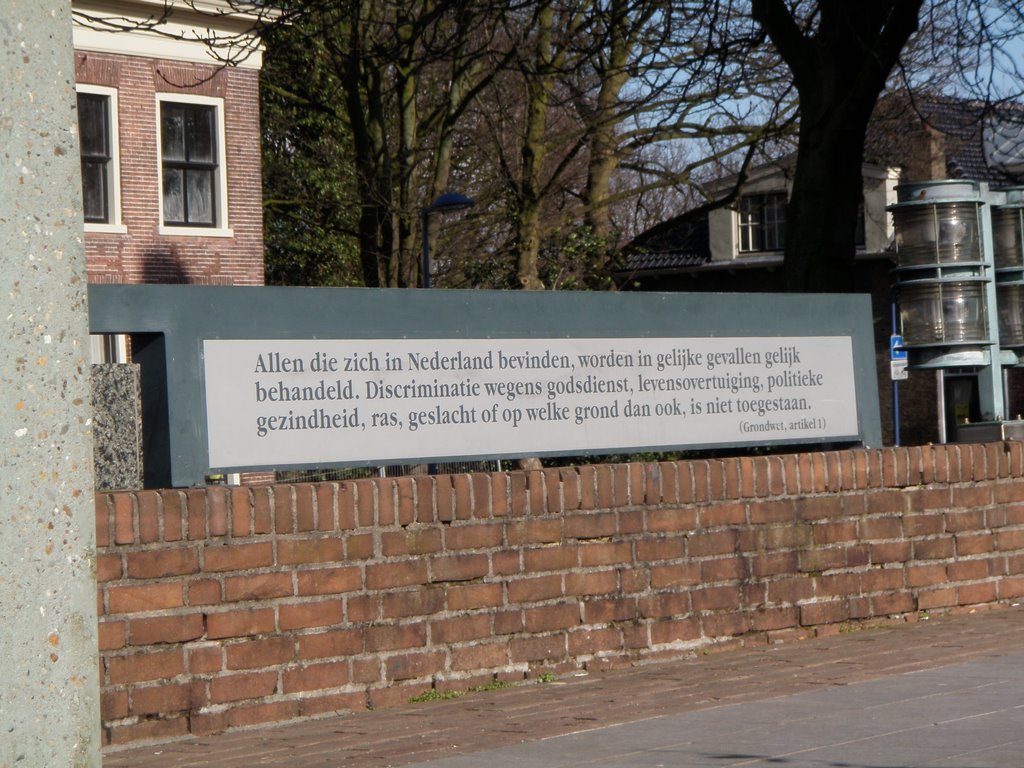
118, 53
939, 137
199, 31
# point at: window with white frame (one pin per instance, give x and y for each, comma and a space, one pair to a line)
193, 198
762, 222
98, 140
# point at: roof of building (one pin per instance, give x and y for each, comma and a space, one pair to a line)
982, 141
679, 242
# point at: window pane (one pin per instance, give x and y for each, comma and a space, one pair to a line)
750, 223
774, 222
762, 222
95, 139
199, 193
94, 192
199, 135
172, 132
174, 196
92, 124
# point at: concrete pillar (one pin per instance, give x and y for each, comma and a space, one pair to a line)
49, 689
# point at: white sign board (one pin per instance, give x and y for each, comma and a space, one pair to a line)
293, 402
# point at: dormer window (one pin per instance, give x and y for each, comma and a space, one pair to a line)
762, 223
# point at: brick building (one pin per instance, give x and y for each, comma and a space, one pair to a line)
170, 141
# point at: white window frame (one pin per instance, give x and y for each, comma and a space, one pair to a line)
748, 226
221, 228
114, 226
762, 224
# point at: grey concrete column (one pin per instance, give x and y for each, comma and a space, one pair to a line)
49, 688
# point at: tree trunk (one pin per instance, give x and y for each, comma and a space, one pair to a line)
533, 152
528, 247
373, 169
840, 58
407, 72
604, 138
822, 214
603, 162
408, 209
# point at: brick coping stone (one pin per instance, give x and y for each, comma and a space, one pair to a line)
736, 674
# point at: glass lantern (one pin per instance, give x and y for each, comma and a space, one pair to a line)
1010, 299
943, 280
937, 234
1007, 228
943, 313
1008, 255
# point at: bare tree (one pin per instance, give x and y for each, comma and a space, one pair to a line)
614, 87
840, 55
690, 73
405, 71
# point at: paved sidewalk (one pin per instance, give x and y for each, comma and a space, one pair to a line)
946, 692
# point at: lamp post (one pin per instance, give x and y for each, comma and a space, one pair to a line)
449, 202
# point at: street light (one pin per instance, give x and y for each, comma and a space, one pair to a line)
449, 202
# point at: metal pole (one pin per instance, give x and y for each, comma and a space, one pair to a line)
1006, 394
425, 281
895, 391
940, 396
990, 377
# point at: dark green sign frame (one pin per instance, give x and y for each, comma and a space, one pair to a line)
169, 324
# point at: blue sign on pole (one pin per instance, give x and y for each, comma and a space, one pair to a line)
895, 351
897, 358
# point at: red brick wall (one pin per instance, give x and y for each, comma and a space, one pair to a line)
143, 255
223, 607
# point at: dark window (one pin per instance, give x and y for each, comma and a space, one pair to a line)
189, 155
94, 134
762, 223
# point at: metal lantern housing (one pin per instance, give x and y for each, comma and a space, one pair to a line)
1008, 255
946, 288
943, 276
